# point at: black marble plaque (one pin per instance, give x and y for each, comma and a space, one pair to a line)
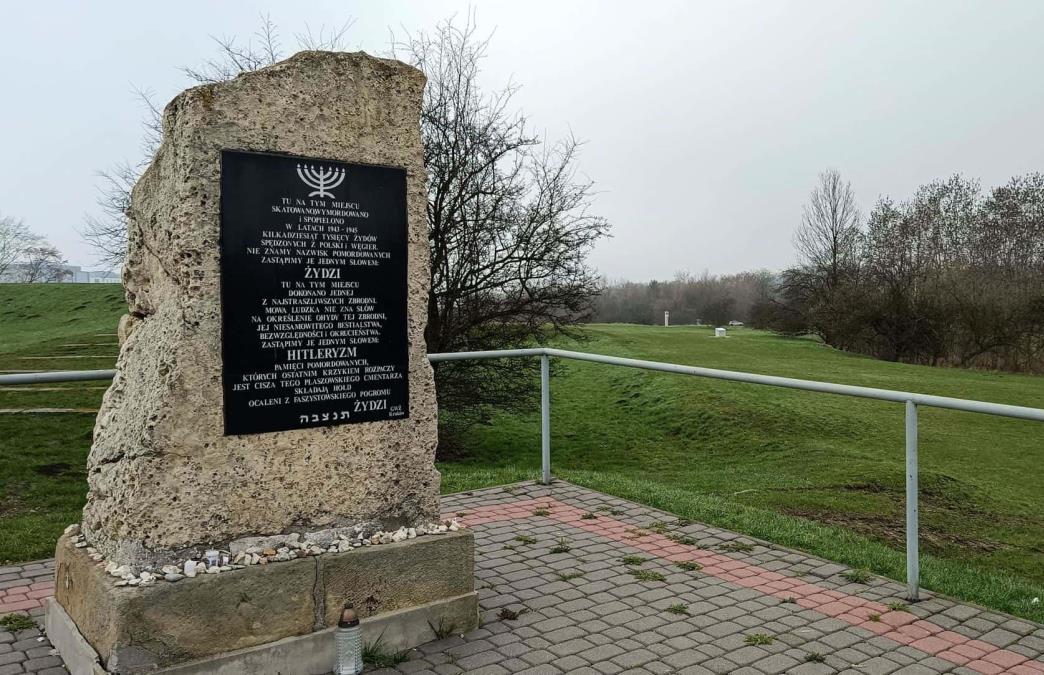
313, 292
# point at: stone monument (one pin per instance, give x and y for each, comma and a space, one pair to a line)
272, 422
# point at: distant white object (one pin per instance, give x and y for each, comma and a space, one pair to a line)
71, 274
719, 332
735, 323
666, 318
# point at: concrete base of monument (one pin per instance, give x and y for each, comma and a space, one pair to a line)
311, 654
265, 618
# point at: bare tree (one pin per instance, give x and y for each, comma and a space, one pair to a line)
14, 238
42, 263
829, 234
827, 244
952, 276
106, 232
263, 49
509, 222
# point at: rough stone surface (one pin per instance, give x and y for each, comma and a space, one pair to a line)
136, 629
163, 478
386, 581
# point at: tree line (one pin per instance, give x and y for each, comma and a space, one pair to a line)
952, 276
704, 299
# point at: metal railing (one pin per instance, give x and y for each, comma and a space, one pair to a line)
911, 401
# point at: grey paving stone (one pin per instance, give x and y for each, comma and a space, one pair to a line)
12, 657
1018, 626
811, 669
608, 622
719, 665
26, 644
544, 669
746, 655
879, 666
1033, 642
601, 653
936, 664
978, 624
494, 669
723, 628
1000, 637
633, 658
695, 670
776, 663
33, 665
538, 656
684, 658
841, 639
917, 669
477, 660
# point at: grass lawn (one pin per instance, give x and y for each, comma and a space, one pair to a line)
817, 472
43, 480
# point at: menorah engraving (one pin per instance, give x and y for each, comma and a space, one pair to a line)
321, 179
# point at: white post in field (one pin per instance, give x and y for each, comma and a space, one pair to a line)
666, 319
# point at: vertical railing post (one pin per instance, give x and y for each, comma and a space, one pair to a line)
545, 419
913, 559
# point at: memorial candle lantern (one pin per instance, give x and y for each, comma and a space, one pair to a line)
349, 643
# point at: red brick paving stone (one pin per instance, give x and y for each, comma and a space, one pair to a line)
1005, 659
969, 650
953, 657
984, 667
875, 627
933, 645
13, 591
19, 606
896, 619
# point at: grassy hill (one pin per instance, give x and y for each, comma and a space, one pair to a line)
36, 314
43, 457
817, 472
771, 461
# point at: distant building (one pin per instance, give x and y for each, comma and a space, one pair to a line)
74, 274
82, 276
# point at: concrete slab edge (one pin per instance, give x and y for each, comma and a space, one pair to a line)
311, 654
79, 656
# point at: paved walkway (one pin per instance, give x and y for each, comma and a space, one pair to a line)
574, 581
22, 590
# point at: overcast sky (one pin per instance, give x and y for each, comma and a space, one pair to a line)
706, 122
